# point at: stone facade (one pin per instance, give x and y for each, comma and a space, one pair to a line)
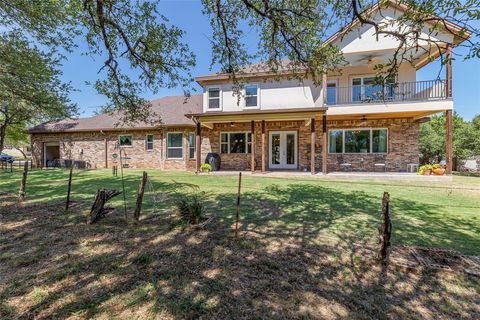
96, 148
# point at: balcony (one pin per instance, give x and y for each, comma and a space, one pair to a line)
389, 92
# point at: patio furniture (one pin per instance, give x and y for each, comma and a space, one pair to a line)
380, 166
412, 167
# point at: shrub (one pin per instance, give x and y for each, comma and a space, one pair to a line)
190, 208
206, 168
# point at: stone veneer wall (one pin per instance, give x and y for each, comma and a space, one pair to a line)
402, 146
90, 147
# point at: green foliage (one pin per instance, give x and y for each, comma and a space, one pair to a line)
190, 208
432, 140
205, 167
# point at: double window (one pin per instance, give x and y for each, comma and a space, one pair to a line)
125, 140
370, 89
175, 145
235, 142
213, 98
358, 141
251, 96
149, 142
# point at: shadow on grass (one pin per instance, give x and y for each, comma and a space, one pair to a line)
304, 251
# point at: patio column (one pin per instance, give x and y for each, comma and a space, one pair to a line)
252, 164
263, 146
325, 144
312, 146
448, 71
449, 127
198, 147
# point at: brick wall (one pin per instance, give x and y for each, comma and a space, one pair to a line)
90, 146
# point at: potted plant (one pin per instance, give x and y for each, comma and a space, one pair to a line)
425, 170
438, 170
205, 168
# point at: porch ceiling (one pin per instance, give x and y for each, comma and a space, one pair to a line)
382, 115
258, 115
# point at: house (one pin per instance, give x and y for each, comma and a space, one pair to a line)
349, 122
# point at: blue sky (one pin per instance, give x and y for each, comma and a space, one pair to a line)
188, 16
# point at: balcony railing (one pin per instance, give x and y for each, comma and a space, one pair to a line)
374, 93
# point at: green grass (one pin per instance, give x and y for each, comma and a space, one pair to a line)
441, 214
306, 249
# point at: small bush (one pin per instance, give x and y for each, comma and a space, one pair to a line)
206, 168
190, 208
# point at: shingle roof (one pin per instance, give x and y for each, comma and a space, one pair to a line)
171, 110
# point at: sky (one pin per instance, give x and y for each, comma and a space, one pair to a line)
187, 15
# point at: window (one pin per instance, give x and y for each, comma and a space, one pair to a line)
331, 93
214, 98
370, 89
149, 142
125, 141
358, 141
235, 142
251, 96
191, 145
175, 145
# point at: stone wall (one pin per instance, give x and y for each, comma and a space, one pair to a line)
90, 146
97, 148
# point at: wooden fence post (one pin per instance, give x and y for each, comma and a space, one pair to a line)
237, 217
141, 190
69, 189
21, 194
385, 229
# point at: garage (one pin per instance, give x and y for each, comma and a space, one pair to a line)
51, 153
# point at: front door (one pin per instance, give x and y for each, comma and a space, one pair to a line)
283, 150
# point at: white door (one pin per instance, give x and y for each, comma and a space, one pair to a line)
283, 150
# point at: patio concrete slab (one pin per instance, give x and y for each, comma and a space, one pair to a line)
341, 175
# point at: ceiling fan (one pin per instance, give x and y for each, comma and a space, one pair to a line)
370, 59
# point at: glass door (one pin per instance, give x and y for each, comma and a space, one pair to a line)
283, 150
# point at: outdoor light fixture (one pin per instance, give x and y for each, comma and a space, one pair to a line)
363, 120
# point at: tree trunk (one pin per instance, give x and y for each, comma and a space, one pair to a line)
98, 208
21, 151
141, 190
3, 132
21, 193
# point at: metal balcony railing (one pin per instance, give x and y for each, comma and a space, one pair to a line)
375, 93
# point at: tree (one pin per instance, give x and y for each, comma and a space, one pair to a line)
134, 35
17, 138
432, 140
30, 88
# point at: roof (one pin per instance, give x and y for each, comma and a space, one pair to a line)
262, 69
171, 109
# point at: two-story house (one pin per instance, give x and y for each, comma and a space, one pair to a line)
348, 123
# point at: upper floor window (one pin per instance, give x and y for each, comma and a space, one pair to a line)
125, 140
149, 142
251, 96
369, 89
213, 98
358, 141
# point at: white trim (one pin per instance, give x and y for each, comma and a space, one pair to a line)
228, 141
283, 142
358, 129
166, 147
146, 143
124, 135
220, 100
245, 96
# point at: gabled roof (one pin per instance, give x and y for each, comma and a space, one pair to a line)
262, 69
171, 109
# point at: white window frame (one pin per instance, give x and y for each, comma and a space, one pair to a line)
358, 129
124, 135
245, 95
146, 143
192, 146
219, 99
247, 143
181, 148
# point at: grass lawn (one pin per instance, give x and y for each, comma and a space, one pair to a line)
306, 249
